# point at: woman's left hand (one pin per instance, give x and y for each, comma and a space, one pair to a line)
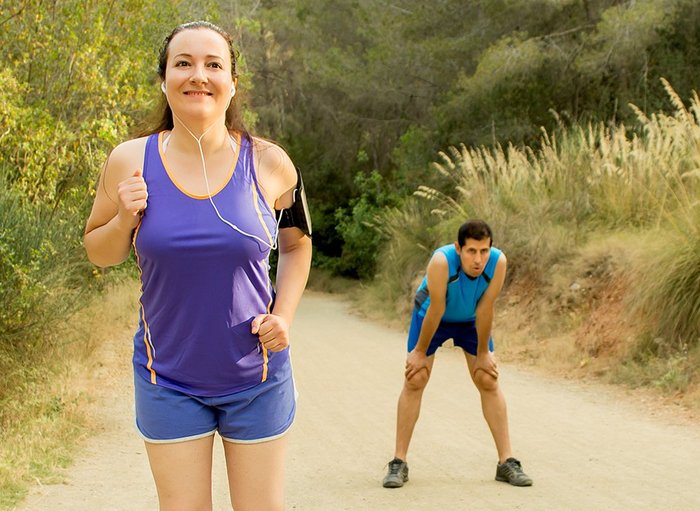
272, 331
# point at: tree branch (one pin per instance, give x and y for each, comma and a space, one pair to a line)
12, 16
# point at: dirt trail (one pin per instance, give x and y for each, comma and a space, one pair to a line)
586, 448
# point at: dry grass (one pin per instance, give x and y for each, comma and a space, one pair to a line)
51, 412
324, 281
601, 225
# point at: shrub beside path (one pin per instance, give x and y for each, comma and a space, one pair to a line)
585, 446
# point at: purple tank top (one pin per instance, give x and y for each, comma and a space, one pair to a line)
202, 282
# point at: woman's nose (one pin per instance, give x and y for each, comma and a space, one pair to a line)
198, 74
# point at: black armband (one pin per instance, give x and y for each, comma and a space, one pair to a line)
297, 215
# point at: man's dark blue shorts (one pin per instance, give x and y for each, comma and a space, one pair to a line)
463, 335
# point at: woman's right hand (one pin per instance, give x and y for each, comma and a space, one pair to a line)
132, 199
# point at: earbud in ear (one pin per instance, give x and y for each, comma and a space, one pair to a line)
162, 87
233, 90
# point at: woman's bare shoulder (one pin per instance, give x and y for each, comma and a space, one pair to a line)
272, 160
123, 161
270, 148
129, 150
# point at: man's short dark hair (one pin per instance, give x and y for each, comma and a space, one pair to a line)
474, 229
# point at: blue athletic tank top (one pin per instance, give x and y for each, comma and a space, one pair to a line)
463, 292
202, 282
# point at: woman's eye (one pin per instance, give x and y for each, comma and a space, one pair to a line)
215, 64
181, 63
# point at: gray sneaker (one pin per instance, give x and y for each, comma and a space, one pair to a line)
397, 474
510, 471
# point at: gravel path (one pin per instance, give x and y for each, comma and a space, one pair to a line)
585, 446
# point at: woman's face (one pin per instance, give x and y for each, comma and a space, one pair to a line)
198, 74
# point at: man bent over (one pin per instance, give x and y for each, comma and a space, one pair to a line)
456, 301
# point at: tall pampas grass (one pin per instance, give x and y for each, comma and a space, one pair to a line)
546, 203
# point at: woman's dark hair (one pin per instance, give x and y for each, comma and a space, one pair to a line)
474, 229
164, 121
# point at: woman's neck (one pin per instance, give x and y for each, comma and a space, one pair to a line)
213, 138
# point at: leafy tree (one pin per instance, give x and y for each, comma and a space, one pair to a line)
358, 226
398, 81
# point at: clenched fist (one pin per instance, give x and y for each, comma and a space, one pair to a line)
132, 198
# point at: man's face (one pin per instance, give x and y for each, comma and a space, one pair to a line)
474, 255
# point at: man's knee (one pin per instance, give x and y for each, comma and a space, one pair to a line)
418, 381
485, 382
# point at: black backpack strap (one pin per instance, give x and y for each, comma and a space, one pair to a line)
422, 294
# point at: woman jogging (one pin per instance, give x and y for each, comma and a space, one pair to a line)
196, 198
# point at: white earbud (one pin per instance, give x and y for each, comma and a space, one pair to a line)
162, 87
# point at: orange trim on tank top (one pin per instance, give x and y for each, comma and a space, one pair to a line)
171, 176
146, 329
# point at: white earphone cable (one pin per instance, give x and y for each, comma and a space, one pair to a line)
273, 245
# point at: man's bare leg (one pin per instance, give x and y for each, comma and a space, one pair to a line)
493, 406
408, 409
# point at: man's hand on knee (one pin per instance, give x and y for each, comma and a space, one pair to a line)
486, 363
416, 361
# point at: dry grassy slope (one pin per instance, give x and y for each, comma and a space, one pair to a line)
575, 321
580, 325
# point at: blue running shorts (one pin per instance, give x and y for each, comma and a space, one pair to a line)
463, 335
258, 414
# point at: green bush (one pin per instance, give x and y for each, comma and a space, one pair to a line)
358, 226
42, 272
410, 234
